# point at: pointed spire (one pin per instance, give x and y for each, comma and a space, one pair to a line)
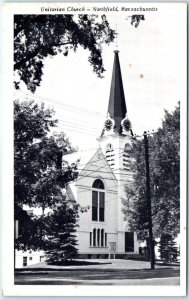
117, 106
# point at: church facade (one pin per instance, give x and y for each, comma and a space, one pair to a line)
100, 187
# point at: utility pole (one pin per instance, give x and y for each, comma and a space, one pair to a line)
148, 198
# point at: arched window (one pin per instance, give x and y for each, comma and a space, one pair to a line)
98, 201
98, 184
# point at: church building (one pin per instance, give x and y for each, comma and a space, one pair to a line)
100, 186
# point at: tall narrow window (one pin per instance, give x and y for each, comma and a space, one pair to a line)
90, 239
101, 207
102, 237
94, 237
94, 206
105, 239
98, 237
98, 201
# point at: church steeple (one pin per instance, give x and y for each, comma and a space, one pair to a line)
116, 137
117, 107
117, 121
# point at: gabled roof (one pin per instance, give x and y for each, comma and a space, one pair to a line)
98, 164
88, 161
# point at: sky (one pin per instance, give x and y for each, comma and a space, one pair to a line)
153, 65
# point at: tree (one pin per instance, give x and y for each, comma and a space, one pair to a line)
61, 240
38, 175
166, 174
164, 161
135, 204
37, 154
30, 230
39, 36
31, 123
168, 248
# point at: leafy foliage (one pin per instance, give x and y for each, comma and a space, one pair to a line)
38, 174
39, 36
164, 163
36, 156
30, 230
61, 240
168, 249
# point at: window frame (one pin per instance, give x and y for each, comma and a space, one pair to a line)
98, 238
99, 216
95, 210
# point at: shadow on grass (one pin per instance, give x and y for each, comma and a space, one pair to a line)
89, 275
76, 263
62, 264
170, 264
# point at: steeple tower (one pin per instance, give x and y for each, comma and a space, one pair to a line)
117, 107
116, 137
116, 144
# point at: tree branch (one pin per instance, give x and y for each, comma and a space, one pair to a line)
29, 56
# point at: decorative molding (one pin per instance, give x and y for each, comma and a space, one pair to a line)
109, 125
126, 125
